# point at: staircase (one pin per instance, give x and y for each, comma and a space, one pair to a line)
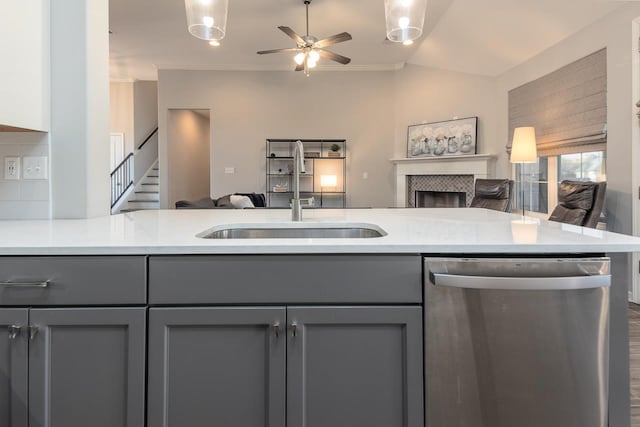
146, 194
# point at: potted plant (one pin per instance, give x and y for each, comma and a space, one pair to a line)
335, 151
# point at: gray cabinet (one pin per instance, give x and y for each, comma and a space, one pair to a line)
13, 367
216, 367
87, 367
345, 366
354, 366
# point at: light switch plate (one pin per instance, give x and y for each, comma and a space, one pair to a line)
12, 168
35, 167
229, 170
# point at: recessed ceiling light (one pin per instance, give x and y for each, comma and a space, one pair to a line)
214, 43
407, 42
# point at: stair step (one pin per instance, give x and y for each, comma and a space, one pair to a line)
147, 196
153, 176
128, 210
155, 188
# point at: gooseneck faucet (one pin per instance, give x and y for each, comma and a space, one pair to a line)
298, 167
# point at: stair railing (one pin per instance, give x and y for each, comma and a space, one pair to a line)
121, 179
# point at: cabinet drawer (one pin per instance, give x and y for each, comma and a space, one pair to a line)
279, 279
73, 280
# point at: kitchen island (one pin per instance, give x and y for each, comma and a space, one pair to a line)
252, 332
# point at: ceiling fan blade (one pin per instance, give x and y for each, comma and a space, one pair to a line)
338, 38
334, 56
288, 49
288, 31
300, 67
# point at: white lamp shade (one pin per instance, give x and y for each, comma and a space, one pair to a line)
328, 181
523, 148
405, 19
207, 19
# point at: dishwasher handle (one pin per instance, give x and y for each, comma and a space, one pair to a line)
570, 283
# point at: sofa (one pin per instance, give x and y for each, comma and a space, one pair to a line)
229, 201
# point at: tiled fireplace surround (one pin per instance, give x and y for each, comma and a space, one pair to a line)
447, 174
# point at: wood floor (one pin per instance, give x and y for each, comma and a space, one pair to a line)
634, 353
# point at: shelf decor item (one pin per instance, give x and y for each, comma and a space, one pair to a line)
440, 139
334, 151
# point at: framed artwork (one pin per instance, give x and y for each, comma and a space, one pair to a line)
440, 139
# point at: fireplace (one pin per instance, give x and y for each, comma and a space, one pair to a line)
451, 174
441, 199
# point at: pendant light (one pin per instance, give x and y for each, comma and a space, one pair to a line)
405, 19
207, 19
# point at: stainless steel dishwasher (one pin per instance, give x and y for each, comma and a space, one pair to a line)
517, 342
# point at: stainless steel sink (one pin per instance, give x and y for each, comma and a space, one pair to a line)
297, 231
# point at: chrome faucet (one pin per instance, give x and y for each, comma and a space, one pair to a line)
298, 167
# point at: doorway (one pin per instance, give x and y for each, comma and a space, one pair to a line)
188, 155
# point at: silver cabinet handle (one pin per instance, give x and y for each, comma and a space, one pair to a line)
294, 329
10, 284
521, 283
14, 331
276, 329
33, 331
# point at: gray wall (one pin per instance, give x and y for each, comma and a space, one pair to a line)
428, 95
121, 112
370, 109
189, 146
145, 109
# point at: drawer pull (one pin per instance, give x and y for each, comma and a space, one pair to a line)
33, 331
10, 284
14, 331
276, 329
294, 329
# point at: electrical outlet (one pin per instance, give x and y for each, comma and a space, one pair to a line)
12, 168
35, 168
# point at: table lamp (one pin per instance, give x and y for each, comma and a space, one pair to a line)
524, 150
328, 181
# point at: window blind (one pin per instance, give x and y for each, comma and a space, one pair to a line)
568, 107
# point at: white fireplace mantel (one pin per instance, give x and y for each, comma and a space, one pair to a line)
479, 165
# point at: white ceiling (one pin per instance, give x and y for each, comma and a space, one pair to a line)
475, 36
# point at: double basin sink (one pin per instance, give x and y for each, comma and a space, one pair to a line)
294, 231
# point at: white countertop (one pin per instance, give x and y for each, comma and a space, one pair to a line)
408, 231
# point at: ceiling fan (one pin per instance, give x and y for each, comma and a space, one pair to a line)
310, 49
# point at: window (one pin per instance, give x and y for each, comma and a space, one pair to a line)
541, 180
582, 166
535, 181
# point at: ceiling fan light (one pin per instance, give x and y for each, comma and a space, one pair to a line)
311, 63
299, 58
405, 19
314, 56
207, 19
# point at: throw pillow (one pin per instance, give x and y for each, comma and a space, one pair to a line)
241, 202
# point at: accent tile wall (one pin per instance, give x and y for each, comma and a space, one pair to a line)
455, 183
23, 199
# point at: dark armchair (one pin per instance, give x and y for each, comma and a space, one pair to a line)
493, 194
581, 203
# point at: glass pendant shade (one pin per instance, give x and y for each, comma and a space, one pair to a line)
207, 19
405, 19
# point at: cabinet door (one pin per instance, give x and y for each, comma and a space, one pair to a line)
13, 367
354, 366
87, 367
216, 367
